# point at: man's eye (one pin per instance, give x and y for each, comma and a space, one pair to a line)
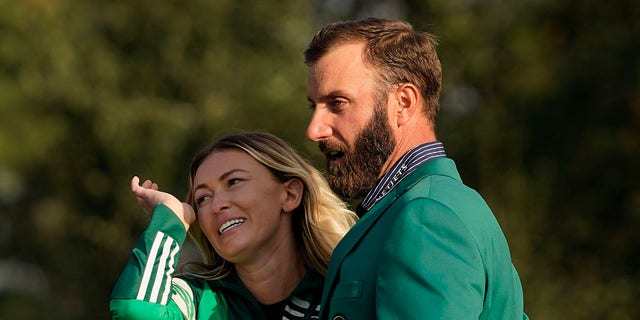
335, 104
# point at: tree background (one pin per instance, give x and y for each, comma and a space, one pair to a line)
540, 108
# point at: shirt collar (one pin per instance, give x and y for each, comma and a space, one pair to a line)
407, 164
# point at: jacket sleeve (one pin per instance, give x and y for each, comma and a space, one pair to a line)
430, 266
146, 288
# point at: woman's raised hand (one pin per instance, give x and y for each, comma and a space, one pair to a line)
148, 196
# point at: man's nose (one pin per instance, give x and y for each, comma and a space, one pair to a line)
318, 128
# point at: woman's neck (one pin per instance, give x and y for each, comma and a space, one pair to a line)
275, 277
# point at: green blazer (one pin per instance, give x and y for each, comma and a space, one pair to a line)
430, 249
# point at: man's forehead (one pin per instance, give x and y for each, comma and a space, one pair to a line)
341, 66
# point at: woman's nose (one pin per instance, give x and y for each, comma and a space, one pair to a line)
216, 205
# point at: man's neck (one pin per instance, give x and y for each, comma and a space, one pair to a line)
404, 143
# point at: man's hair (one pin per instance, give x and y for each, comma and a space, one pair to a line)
321, 220
397, 52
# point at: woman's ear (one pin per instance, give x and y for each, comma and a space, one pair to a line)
294, 190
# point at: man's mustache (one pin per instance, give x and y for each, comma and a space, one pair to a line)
327, 147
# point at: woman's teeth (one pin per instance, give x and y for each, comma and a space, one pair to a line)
230, 224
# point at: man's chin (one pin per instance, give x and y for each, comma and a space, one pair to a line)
346, 187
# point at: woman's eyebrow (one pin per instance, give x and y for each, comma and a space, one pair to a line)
221, 178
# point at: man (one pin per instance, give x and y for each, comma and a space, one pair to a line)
427, 246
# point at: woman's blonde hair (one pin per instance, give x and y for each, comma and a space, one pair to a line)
319, 222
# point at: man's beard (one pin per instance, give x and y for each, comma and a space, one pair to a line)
358, 170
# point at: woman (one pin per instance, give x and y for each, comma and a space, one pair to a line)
265, 221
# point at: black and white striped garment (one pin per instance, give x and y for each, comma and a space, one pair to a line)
297, 308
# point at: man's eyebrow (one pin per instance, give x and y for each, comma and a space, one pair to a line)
330, 95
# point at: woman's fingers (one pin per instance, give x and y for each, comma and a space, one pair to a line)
138, 189
148, 196
148, 184
142, 194
135, 183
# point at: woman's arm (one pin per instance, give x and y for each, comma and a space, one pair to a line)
146, 288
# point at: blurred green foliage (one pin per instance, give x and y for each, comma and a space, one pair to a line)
540, 109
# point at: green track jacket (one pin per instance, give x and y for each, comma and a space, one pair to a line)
147, 288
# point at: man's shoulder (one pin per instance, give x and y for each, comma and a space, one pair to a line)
435, 179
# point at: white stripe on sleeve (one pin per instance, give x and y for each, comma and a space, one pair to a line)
167, 285
162, 264
148, 268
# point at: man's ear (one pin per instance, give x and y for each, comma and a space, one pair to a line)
294, 190
408, 102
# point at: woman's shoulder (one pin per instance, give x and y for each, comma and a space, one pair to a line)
209, 300
191, 285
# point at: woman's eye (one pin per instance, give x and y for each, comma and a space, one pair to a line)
233, 181
201, 200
